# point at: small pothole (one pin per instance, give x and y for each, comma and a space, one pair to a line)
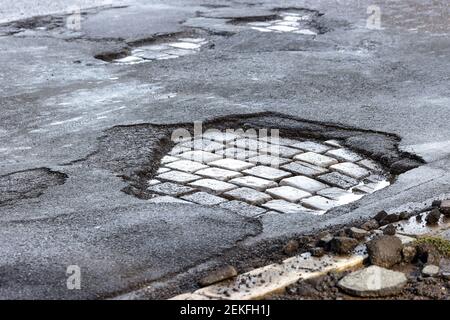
157, 51
253, 174
293, 22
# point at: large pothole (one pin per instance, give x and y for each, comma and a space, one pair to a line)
253, 173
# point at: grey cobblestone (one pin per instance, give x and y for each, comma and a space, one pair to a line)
304, 168
338, 180
351, 169
204, 198
285, 207
178, 176
169, 188
242, 208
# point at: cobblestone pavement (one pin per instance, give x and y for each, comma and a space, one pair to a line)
255, 175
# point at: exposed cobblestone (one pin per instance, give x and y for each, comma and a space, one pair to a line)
248, 195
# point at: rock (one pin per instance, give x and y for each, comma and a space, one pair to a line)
341, 233
433, 216
342, 245
317, 252
370, 225
404, 215
409, 253
324, 240
380, 216
291, 247
373, 282
436, 203
390, 218
430, 270
357, 233
445, 207
390, 230
385, 251
428, 253
220, 274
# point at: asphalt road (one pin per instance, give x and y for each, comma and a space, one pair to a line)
58, 101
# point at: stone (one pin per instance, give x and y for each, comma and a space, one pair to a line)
212, 185
178, 176
409, 253
253, 182
385, 251
250, 144
333, 143
167, 199
370, 165
430, 270
248, 195
373, 282
291, 247
344, 154
171, 189
445, 207
220, 136
357, 233
177, 150
285, 206
390, 218
316, 159
200, 156
370, 225
203, 144
268, 160
311, 146
319, 203
390, 230
168, 159
338, 180
281, 151
342, 245
220, 274
433, 217
334, 193
242, 208
427, 253
218, 173
186, 165
162, 170
204, 198
267, 173
380, 215
152, 182
231, 164
324, 240
350, 169
317, 252
237, 153
288, 193
303, 183
304, 168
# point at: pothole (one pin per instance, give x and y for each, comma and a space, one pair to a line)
157, 51
253, 173
293, 22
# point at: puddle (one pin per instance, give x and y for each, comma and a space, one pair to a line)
288, 22
417, 225
161, 51
254, 175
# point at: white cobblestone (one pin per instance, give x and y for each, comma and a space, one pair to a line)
218, 173
304, 168
344, 155
254, 182
220, 136
316, 159
281, 151
168, 159
248, 195
186, 165
303, 183
152, 182
169, 188
162, 170
212, 185
351, 169
204, 198
178, 176
231, 164
242, 208
285, 206
312, 146
178, 149
237, 153
167, 199
269, 160
200, 156
267, 173
319, 203
204, 144
288, 193
249, 144
333, 143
